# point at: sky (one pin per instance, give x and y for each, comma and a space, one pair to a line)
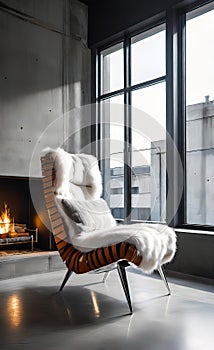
200, 58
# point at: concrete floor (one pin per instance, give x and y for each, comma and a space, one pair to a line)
92, 315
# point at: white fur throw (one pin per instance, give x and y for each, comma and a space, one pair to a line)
155, 242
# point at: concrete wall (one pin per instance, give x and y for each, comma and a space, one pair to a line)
194, 254
45, 71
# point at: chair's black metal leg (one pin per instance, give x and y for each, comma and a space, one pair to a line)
121, 267
68, 274
164, 279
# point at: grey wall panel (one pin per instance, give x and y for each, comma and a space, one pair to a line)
31, 93
194, 255
52, 13
43, 75
46, 11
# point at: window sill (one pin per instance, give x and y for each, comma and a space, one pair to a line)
187, 230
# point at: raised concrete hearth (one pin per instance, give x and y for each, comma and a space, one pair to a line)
26, 264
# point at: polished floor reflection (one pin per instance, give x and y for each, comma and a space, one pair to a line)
92, 315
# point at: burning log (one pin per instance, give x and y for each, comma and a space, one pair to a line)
7, 226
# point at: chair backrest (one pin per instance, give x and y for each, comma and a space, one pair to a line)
70, 255
76, 175
48, 180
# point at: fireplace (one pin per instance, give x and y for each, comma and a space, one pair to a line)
16, 259
16, 192
14, 234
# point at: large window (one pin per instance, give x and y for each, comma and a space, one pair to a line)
132, 96
146, 83
200, 116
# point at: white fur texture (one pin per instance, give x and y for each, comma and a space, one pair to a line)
78, 177
155, 242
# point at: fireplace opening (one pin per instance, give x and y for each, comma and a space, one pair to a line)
13, 236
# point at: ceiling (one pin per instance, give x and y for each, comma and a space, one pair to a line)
88, 2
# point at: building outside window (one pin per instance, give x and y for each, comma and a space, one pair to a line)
200, 116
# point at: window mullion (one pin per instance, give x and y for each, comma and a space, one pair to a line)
172, 116
127, 132
182, 110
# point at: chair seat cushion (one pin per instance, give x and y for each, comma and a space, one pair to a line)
89, 214
156, 243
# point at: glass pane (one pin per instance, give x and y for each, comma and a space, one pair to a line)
149, 153
113, 154
112, 69
200, 117
148, 55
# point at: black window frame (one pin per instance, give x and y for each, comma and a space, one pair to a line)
175, 21
181, 54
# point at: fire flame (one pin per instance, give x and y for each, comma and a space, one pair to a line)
5, 219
